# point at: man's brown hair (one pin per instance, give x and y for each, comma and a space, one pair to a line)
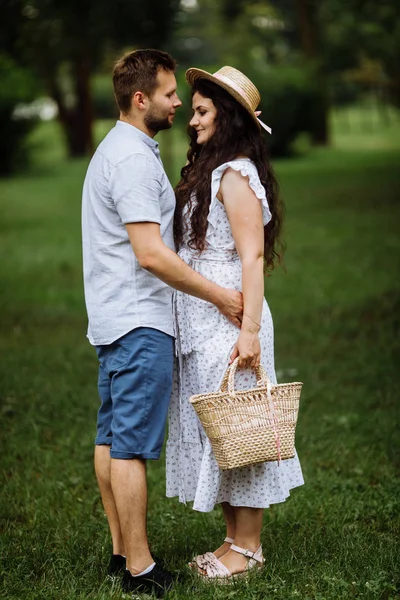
137, 72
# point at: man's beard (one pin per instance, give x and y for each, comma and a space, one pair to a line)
156, 123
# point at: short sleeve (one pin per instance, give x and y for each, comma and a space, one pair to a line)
247, 169
135, 187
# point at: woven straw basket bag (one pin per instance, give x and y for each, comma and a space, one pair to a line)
250, 426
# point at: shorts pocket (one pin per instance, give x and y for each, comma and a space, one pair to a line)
113, 356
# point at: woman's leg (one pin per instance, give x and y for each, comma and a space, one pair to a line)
247, 535
230, 522
230, 519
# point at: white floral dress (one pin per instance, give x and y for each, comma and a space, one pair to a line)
204, 341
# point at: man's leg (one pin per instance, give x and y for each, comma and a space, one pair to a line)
102, 460
102, 464
141, 384
129, 486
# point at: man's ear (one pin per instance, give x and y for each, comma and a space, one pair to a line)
139, 100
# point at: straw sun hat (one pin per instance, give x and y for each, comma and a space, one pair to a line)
236, 84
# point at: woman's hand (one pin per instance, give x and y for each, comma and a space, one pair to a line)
247, 348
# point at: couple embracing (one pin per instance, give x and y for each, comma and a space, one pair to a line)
174, 290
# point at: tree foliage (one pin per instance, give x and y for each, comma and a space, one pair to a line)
17, 86
333, 35
344, 29
64, 41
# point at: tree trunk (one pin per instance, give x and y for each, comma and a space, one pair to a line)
307, 28
320, 134
75, 137
309, 42
83, 126
77, 121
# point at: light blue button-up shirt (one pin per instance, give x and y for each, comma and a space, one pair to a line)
125, 183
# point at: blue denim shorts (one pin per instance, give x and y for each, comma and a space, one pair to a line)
135, 381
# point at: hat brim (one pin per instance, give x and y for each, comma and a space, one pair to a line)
194, 74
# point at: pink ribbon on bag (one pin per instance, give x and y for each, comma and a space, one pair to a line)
274, 422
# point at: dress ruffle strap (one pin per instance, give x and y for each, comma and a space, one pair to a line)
247, 169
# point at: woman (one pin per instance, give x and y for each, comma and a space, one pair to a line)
227, 226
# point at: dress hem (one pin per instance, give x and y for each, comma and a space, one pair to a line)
248, 505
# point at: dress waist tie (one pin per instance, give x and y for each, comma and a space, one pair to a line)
208, 254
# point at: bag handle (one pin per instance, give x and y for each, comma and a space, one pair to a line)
228, 381
262, 379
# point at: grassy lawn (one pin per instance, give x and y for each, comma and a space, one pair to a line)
336, 313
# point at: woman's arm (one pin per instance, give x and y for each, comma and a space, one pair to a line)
245, 217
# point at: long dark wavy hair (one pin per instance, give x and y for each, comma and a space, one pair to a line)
236, 135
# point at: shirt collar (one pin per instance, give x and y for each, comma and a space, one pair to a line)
143, 136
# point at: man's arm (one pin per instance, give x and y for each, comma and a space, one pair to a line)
154, 256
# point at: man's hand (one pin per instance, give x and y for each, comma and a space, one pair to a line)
154, 256
231, 306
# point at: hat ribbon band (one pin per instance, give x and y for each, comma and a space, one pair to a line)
257, 114
264, 126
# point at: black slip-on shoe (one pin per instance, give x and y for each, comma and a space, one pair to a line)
117, 565
157, 581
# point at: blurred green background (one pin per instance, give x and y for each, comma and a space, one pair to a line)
306, 57
329, 80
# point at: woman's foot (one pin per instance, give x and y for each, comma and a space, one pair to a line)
234, 562
224, 548
200, 560
237, 562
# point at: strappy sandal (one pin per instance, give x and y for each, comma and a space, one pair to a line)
202, 559
217, 572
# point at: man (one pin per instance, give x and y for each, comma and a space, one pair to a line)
130, 268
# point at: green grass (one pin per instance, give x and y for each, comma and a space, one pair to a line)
336, 314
